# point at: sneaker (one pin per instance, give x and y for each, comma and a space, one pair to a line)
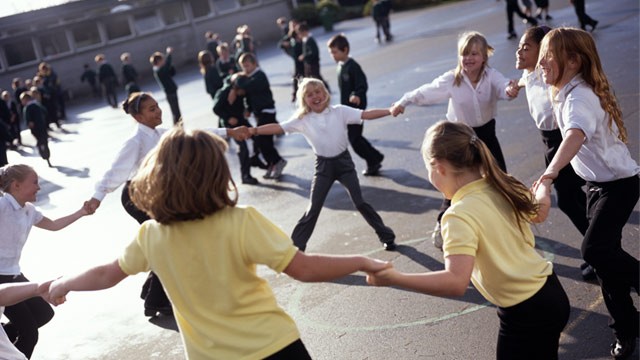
593, 25
436, 237
267, 175
588, 272
623, 349
276, 170
249, 180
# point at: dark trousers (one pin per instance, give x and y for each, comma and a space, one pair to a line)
327, 171
110, 93
487, 133
25, 318
572, 199
531, 329
265, 142
172, 99
383, 23
583, 18
42, 142
513, 7
362, 146
313, 71
152, 291
296, 350
243, 149
609, 206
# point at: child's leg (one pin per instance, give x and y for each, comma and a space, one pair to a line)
295, 350
363, 147
243, 157
487, 133
172, 99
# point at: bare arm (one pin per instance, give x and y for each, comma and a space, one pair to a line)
573, 140
452, 281
542, 194
268, 129
315, 268
63, 222
96, 278
13, 293
372, 114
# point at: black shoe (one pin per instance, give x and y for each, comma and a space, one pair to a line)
539, 16
256, 162
512, 35
372, 170
588, 272
389, 246
152, 312
623, 349
249, 180
548, 17
593, 25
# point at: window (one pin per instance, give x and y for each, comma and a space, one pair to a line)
248, 2
225, 5
54, 43
199, 8
19, 52
146, 22
86, 34
117, 27
173, 13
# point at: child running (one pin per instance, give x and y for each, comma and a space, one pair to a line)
325, 128
593, 143
488, 239
473, 90
205, 249
18, 189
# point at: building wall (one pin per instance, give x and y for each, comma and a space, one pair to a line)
186, 37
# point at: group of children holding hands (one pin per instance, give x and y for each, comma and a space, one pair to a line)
181, 183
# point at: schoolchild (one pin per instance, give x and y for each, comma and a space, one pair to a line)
226, 63
259, 99
543, 8
593, 142
129, 74
47, 101
514, 7
52, 90
380, 13
570, 196
18, 189
227, 311
144, 109
108, 79
472, 90
35, 115
488, 240
353, 92
310, 56
325, 128
89, 76
163, 72
14, 119
208, 70
243, 41
213, 40
291, 43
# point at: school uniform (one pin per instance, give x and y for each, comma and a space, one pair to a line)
212, 81
130, 77
164, 77
613, 189
380, 13
108, 79
35, 115
353, 81
226, 68
90, 76
326, 132
311, 60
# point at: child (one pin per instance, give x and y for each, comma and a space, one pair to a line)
571, 198
35, 116
260, 100
212, 79
503, 264
89, 76
18, 189
513, 7
582, 15
108, 79
15, 138
144, 109
205, 249
325, 128
310, 53
380, 13
213, 40
163, 71
226, 63
291, 43
593, 142
11, 294
129, 74
353, 92
473, 90
543, 7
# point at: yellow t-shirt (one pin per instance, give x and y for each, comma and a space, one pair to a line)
224, 310
480, 223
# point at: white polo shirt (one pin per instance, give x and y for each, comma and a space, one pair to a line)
7, 350
539, 101
15, 224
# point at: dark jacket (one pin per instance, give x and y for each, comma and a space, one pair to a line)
164, 76
212, 81
352, 81
258, 91
311, 51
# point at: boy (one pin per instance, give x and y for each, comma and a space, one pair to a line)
380, 13
108, 79
260, 100
310, 54
353, 92
129, 74
225, 63
163, 71
90, 76
35, 116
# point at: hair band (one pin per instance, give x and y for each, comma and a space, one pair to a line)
136, 105
473, 139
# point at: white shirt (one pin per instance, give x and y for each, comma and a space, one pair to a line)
7, 350
603, 156
539, 101
326, 132
16, 222
472, 106
127, 162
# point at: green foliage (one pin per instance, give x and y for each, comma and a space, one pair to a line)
306, 13
399, 5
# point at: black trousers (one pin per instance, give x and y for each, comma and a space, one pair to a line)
152, 291
172, 99
609, 206
110, 92
362, 146
383, 23
25, 318
513, 7
583, 18
265, 142
531, 329
243, 148
328, 170
487, 133
296, 350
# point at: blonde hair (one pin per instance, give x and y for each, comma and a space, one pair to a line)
573, 44
459, 145
185, 177
12, 173
304, 86
125, 56
465, 43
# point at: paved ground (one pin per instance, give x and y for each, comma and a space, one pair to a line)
344, 319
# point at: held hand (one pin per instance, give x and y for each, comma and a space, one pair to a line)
355, 100
512, 89
381, 278
87, 209
375, 265
396, 109
239, 133
57, 293
93, 204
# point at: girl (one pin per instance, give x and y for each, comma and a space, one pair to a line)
503, 265
212, 79
205, 249
325, 128
18, 189
144, 109
571, 198
594, 143
473, 90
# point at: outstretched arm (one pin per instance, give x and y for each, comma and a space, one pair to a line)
13, 293
314, 268
372, 114
96, 278
268, 129
542, 193
573, 140
61, 223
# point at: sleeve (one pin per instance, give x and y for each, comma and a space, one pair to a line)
265, 243
222, 132
212, 81
133, 260
36, 215
579, 115
349, 114
439, 90
293, 125
499, 82
459, 237
120, 170
221, 105
360, 86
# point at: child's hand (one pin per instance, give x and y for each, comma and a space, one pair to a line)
93, 205
87, 208
381, 278
57, 293
512, 89
239, 133
396, 109
375, 265
301, 58
355, 100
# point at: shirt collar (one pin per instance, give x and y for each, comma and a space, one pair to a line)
12, 201
469, 188
254, 71
564, 92
147, 130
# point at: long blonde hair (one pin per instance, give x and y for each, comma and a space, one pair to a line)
458, 144
305, 85
465, 43
185, 177
568, 43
